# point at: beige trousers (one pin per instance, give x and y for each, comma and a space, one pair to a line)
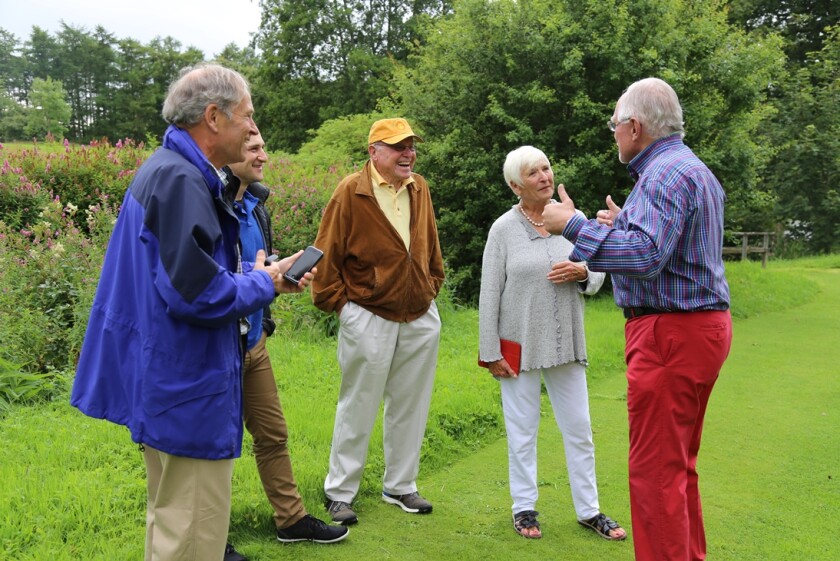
188, 507
390, 361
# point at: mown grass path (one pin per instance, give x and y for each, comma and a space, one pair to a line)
769, 466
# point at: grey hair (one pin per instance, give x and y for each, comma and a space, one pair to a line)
655, 104
202, 85
519, 159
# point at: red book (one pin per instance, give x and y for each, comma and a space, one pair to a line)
511, 351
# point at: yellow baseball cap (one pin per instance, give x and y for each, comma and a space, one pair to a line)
391, 131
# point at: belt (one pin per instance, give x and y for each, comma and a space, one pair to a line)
630, 313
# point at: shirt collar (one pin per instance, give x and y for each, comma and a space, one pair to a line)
638, 164
379, 181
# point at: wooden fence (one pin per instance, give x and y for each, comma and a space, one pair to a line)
764, 248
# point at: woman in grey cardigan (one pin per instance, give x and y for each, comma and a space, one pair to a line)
532, 294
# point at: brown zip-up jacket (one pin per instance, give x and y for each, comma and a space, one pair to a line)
365, 260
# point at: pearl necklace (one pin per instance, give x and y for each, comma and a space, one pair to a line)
528, 218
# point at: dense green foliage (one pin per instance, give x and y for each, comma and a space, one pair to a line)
324, 59
805, 170
803, 23
501, 74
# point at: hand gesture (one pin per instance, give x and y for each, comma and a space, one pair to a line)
607, 215
557, 216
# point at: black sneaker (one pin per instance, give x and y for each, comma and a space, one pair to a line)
233, 555
410, 502
311, 529
341, 512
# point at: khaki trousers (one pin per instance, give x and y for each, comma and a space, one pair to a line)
265, 421
188, 507
382, 359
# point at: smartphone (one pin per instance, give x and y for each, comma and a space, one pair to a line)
311, 256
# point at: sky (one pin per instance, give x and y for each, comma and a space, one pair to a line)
206, 24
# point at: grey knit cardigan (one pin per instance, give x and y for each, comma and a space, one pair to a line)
519, 303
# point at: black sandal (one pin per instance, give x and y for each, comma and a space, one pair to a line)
526, 520
602, 525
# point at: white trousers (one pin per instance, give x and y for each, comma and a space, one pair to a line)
566, 386
381, 359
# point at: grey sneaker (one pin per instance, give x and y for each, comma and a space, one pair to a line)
341, 512
311, 529
412, 502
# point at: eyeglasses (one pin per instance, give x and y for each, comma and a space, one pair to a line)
613, 125
399, 147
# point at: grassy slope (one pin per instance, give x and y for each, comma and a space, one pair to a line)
73, 488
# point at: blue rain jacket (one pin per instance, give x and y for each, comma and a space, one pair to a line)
162, 351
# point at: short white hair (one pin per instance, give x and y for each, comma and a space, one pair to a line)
654, 104
520, 159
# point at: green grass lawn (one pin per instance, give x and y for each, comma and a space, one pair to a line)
72, 487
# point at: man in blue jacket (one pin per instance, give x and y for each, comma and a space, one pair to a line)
162, 352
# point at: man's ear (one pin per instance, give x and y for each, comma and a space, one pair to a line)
636, 130
212, 113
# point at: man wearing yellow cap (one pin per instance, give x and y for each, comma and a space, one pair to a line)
381, 271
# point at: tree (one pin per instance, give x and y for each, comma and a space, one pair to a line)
500, 74
49, 112
244, 60
79, 58
323, 59
131, 103
805, 173
41, 52
12, 66
12, 118
803, 23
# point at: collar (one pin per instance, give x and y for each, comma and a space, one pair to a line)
179, 141
247, 204
637, 165
379, 181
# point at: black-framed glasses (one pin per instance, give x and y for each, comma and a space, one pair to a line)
612, 125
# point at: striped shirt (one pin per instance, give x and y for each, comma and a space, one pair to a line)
665, 246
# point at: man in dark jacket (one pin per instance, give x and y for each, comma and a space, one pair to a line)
263, 413
162, 350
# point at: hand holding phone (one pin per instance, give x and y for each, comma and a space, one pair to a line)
303, 265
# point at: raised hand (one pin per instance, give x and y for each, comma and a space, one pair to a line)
556, 216
606, 216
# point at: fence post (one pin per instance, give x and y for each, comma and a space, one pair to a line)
765, 246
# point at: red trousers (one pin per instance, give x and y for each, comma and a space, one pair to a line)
673, 361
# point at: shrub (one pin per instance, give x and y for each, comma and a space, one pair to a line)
48, 274
299, 194
84, 175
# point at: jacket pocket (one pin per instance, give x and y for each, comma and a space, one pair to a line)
172, 380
